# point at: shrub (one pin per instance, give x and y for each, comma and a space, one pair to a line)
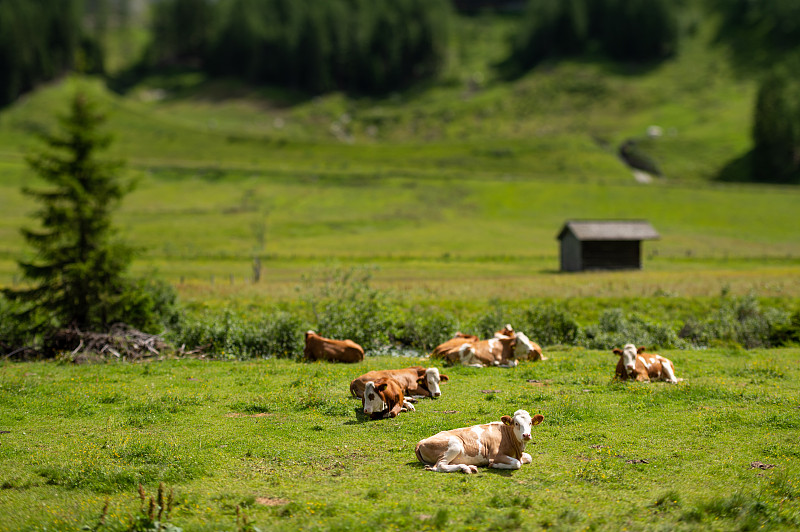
737, 321
232, 335
614, 329
346, 306
549, 325
423, 329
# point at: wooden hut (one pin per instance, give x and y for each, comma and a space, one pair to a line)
603, 244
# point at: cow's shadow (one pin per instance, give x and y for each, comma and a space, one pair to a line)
361, 417
416, 464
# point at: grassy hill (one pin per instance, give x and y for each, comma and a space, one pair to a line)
460, 182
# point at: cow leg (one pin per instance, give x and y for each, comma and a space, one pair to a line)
526, 458
501, 461
668, 372
407, 406
443, 465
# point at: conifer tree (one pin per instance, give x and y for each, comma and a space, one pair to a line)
77, 275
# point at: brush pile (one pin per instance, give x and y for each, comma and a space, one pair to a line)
121, 341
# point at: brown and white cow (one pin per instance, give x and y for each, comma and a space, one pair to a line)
635, 364
500, 445
497, 351
449, 349
319, 348
384, 398
416, 381
524, 349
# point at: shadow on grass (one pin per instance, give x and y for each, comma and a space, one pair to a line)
416, 464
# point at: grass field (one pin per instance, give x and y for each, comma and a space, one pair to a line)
452, 195
285, 443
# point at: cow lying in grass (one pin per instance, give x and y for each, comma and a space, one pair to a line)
635, 364
319, 348
500, 445
415, 381
384, 398
504, 349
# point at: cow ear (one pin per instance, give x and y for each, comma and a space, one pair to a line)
640, 350
383, 386
443, 377
617, 351
506, 420
420, 381
538, 418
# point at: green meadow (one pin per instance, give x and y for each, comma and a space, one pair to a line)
283, 444
449, 185
451, 195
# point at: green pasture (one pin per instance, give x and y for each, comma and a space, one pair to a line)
284, 443
453, 189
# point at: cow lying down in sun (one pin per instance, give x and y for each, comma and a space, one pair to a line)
415, 381
384, 398
635, 364
500, 444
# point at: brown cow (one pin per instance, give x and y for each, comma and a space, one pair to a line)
497, 351
499, 444
635, 364
319, 348
415, 381
384, 398
524, 349
449, 349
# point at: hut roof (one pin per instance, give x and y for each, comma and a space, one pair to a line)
610, 230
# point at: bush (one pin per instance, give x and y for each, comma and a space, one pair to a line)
737, 321
232, 335
423, 329
549, 325
346, 306
614, 329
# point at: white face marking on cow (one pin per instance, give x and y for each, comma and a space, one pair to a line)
521, 422
373, 403
432, 379
527, 346
629, 358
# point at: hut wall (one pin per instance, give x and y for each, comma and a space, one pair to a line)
611, 255
570, 253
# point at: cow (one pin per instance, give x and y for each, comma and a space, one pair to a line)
635, 364
524, 349
415, 381
449, 349
500, 444
497, 351
383, 398
319, 348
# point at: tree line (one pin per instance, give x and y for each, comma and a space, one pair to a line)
379, 46
367, 46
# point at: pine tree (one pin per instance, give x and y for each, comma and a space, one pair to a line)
77, 275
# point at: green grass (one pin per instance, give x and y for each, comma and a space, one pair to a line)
456, 188
284, 442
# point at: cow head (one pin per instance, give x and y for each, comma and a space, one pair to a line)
507, 330
628, 356
521, 422
373, 399
523, 347
430, 381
